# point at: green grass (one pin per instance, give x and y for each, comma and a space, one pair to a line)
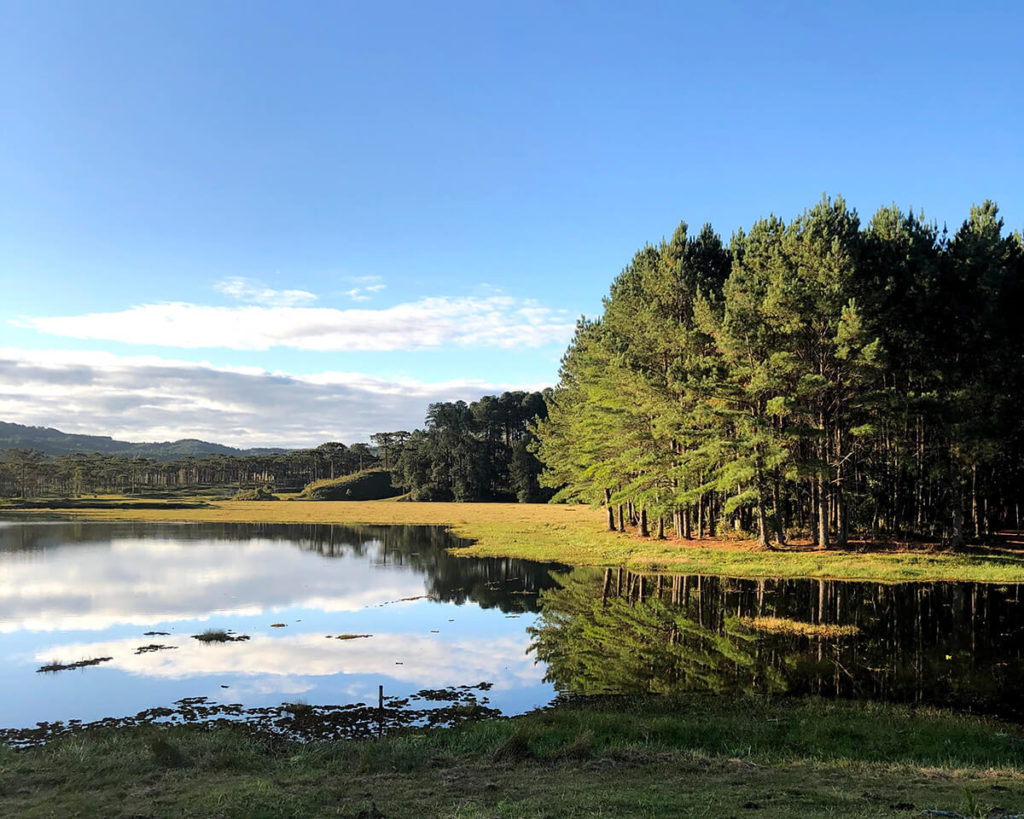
657, 757
577, 535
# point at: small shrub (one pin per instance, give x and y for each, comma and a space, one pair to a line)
261, 493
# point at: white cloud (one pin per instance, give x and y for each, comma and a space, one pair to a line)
254, 292
470, 321
147, 398
366, 285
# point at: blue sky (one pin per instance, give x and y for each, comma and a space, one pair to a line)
194, 197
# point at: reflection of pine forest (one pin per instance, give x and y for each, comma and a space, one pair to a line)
612, 632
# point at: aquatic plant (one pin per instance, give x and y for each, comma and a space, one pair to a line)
219, 635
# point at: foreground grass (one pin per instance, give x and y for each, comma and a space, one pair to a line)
659, 757
576, 535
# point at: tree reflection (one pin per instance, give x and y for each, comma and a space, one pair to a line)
614, 631
507, 584
635, 638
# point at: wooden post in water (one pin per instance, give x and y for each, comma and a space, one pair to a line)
380, 711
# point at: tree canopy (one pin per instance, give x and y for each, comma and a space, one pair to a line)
817, 376
477, 451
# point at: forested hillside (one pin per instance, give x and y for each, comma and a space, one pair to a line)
53, 442
819, 377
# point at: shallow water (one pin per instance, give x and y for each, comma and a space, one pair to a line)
136, 593
78, 591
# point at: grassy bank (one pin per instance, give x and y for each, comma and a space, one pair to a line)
576, 535
702, 757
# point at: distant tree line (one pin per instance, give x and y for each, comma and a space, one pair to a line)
816, 377
28, 473
478, 451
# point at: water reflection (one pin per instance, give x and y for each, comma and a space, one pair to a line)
99, 575
952, 644
74, 591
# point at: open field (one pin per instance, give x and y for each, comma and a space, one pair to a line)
705, 756
577, 535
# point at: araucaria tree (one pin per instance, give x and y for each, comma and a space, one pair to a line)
817, 377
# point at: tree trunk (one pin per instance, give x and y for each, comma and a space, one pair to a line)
644, 532
780, 533
843, 531
611, 510
957, 541
822, 512
974, 502
762, 516
813, 519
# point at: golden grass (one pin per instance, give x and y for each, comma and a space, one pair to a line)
577, 535
784, 625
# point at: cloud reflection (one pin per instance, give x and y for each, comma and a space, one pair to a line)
425, 660
137, 581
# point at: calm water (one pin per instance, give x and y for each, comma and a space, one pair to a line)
76, 591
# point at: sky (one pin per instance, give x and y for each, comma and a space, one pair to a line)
276, 224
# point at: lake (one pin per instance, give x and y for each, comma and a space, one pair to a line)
319, 615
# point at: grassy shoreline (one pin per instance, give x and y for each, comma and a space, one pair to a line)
706, 755
577, 535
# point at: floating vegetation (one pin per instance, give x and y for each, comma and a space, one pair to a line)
56, 665
157, 634
783, 625
278, 625
460, 693
351, 636
293, 721
153, 647
219, 635
411, 599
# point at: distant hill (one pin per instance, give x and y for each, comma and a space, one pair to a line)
53, 442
